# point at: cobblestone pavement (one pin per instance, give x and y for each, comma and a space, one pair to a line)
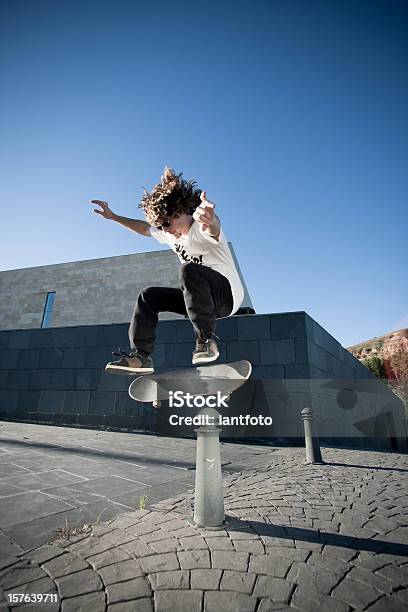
307, 537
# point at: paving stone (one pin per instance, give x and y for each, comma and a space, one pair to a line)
402, 595
238, 528
227, 601
222, 543
193, 543
90, 546
108, 558
171, 600
355, 594
249, 546
155, 518
380, 524
8, 562
44, 585
49, 607
120, 572
388, 604
70, 542
369, 577
288, 553
397, 575
100, 530
336, 566
270, 565
45, 553
67, 563
80, 583
21, 574
277, 589
229, 560
311, 546
160, 563
117, 536
176, 579
142, 529
239, 505
241, 582
143, 604
128, 520
211, 533
154, 536
400, 533
326, 526
194, 559
283, 542
138, 548
267, 605
92, 602
3, 599
339, 552
206, 579
311, 600
184, 532
243, 535
163, 546
370, 561
175, 524
318, 515
317, 577
128, 591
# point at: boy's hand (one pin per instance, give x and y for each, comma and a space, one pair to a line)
105, 212
204, 214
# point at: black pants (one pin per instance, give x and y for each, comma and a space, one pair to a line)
204, 295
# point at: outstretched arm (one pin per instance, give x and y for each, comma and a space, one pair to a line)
206, 217
135, 225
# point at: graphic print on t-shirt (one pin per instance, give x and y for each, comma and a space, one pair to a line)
181, 252
198, 247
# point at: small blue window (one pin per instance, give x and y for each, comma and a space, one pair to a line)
49, 305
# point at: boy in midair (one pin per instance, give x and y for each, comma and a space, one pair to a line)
179, 214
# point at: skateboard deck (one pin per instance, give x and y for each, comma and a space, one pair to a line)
202, 380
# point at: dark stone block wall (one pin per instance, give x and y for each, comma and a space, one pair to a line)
56, 375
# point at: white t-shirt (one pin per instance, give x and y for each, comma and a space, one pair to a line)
199, 247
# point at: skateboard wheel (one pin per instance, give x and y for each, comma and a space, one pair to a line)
156, 404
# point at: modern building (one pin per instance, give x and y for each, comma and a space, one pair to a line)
91, 292
59, 325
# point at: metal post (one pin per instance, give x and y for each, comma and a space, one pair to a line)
313, 454
209, 493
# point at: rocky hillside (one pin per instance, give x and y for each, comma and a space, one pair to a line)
383, 346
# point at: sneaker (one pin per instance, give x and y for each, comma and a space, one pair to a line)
206, 350
130, 363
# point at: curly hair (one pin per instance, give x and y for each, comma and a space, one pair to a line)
170, 198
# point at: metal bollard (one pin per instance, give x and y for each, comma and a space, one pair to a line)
209, 493
313, 454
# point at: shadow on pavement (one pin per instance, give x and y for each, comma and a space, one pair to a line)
80, 450
310, 535
366, 467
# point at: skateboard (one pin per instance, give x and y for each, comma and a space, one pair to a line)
202, 380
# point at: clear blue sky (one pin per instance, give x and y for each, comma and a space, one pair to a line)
292, 114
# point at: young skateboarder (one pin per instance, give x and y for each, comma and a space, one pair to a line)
180, 215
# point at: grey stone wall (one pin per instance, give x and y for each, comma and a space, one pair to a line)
57, 376
92, 292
